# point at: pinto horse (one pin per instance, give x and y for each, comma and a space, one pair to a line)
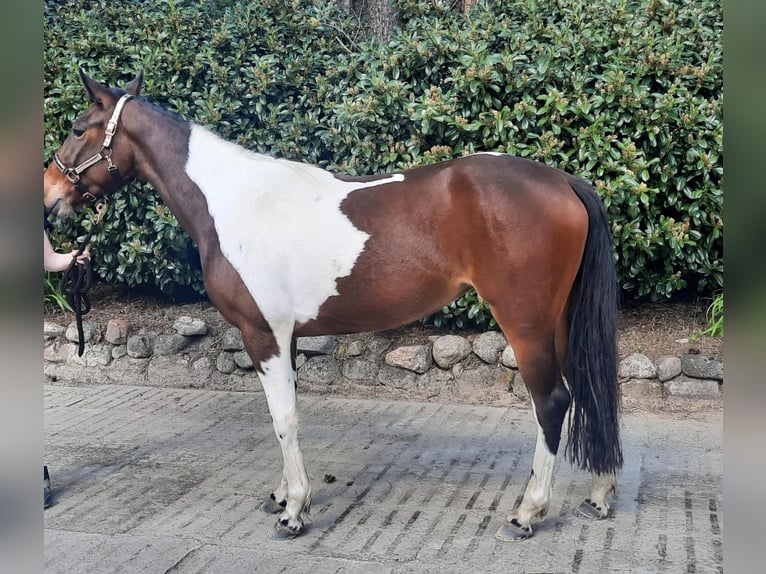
289, 249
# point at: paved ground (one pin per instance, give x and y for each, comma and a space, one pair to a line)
167, 480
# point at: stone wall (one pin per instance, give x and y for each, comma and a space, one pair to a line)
477, 368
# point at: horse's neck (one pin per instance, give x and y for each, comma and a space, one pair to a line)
162, 148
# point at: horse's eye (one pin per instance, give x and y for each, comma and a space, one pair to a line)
77, 132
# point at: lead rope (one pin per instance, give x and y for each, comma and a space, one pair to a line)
77, 279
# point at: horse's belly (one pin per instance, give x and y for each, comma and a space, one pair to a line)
380, 301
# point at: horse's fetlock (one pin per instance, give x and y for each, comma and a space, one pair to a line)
540, 498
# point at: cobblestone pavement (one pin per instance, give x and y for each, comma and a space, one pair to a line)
167, 480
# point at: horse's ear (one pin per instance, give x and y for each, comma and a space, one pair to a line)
96, 92
134, 87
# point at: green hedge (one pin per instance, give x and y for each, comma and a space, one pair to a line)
625, 93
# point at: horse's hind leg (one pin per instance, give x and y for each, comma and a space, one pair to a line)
596, 506
536, 357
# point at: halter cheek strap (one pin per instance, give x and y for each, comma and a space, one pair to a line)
105, 153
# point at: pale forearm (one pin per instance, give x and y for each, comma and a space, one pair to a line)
53, 261
57, 261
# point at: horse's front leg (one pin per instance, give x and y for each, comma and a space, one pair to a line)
292, 498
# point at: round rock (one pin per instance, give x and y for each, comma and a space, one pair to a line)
231, 340
450, 349
243, 360
116, 331
89, 331
702, 367
190, 326
225, 364
637, 366
508, 358
668, 367
489, 345
140, 346
169, 344
416, 358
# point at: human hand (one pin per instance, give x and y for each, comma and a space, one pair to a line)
81, 259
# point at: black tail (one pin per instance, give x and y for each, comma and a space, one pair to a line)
591, 362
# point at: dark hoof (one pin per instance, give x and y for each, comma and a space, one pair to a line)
281, 531
513, 532
591, 511
271, 506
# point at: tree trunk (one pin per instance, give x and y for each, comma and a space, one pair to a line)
378, 15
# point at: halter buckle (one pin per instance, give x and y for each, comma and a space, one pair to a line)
69, 172
72, 175
111, 127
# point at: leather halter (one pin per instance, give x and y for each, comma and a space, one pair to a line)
105, 153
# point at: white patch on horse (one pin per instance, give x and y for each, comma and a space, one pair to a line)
537, 495
494, 153
279, 224
543, 464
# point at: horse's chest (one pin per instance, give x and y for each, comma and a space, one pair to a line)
289, 251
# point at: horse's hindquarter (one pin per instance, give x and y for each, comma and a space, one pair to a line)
433, 235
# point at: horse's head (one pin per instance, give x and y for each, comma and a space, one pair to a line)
96, 158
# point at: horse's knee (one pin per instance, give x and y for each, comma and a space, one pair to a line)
285, 426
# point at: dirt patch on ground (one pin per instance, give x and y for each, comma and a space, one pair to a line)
666, 329
654, 329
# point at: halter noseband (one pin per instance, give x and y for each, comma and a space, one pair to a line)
105, 153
